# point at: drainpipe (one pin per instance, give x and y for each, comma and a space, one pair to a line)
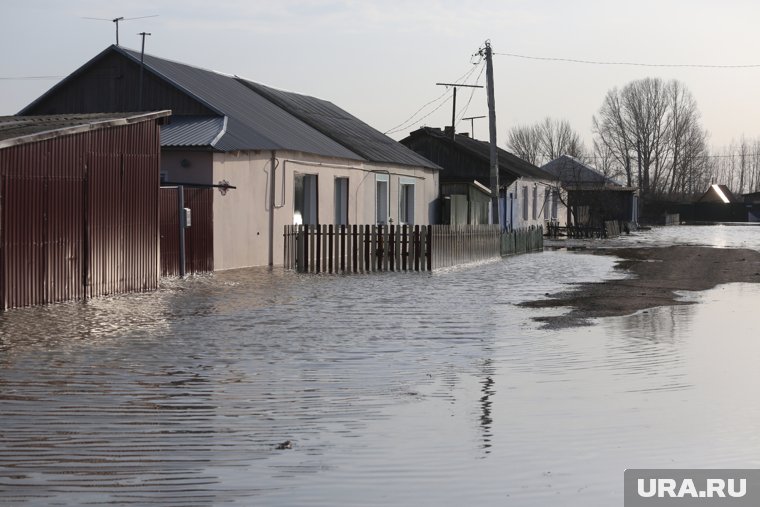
272, 169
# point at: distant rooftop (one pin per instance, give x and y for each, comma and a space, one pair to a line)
511, 165
571, 171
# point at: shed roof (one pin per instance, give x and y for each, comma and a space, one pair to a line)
186, 131
15, 130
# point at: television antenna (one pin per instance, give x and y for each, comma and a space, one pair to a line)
119, 19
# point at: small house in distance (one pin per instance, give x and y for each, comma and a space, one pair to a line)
717, 204
292, 158
79, 201
591, 198
529, 195
717, 194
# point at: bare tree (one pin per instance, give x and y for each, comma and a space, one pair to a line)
657, 123
611, 132
545, 141
525, 142
605, 161
687, 141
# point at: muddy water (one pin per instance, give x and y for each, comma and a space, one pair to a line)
392, 389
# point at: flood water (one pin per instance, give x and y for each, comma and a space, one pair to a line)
393, 389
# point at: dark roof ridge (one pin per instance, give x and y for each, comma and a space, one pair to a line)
463, 141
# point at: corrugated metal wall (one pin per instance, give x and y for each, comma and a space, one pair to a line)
199, 237
79, 215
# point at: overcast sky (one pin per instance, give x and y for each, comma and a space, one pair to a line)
380, 60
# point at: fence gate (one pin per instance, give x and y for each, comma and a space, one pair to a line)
199, 237
69, 237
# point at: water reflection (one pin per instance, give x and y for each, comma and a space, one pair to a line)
435, 384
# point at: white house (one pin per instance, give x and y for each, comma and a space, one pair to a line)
293, 159
529, 196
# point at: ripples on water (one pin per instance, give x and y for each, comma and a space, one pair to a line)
393, 389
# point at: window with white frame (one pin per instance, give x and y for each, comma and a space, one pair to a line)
555, 203
406, 201
525, 203
305, 208
534, 213
382, 198
341, 201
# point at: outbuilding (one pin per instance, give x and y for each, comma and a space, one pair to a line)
593, 198
79, 204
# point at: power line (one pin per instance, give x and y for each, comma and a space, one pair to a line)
472, 93
412, 119
431, 112
736, 155
630, 64
27, 78
408, 121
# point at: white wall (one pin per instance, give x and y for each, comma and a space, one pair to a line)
241, 217
536, 196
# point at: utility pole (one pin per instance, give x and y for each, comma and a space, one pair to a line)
116, 20
454, 107
472, 124
638, 151
142, 69
486, 52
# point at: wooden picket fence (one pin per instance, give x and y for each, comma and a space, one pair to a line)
370, 248
357, 248
610, 229
454, 245
522, 241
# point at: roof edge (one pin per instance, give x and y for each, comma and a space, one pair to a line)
78, 129
263, 91
221, 132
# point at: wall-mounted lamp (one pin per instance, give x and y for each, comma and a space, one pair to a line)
184, 163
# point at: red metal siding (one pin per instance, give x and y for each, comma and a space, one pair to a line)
169, 224
80, 215
199, 237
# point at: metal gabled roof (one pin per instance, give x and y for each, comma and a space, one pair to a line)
195, 131
342, 127
253, 122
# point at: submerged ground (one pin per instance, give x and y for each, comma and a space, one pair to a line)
392, 389
657, 275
